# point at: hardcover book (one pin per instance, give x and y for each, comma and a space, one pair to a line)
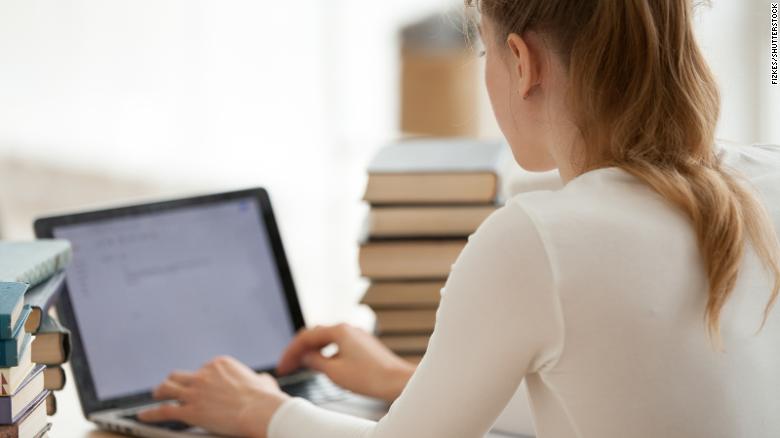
11, 306
41, 298
12, 377
33, 261
435, 172
11, 349
413, 358
26, 397
427, 221
419, 321
403, 294
409, 259
409, 344
52, 343
31, 424
53, 378
51, 404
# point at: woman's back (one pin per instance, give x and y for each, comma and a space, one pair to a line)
595, 294
632, 288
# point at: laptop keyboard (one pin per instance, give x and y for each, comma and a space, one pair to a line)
314, 387
317, 389
170, 425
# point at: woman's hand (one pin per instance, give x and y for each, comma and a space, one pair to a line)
362, 365
225, 396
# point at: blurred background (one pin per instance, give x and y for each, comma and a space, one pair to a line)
103, 102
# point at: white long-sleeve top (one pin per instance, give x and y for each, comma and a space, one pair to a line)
595, 295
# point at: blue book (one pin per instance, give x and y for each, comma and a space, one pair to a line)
11, 306
33, 261
12, 377
11, 349
41, 298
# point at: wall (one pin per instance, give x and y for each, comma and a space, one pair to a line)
200, 95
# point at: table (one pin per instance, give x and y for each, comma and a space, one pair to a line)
69, 422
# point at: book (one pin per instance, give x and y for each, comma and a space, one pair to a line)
400, 294
33, 261
405, 344
435, 172
413, 358
43, 433
31, 424
11, 349
427, 221
12, 377
405, 321
52, 343
409, 259
41, 298
53, 378
51, 404
29, 394
11, 306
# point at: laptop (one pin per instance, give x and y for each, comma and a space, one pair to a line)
169, 285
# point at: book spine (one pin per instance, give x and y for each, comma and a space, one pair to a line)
6, 414
6, 403
6, 330
9, 353
10, 431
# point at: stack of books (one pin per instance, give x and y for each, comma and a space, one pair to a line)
426, 198
32, 344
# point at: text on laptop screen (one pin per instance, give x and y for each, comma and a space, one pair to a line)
170, 290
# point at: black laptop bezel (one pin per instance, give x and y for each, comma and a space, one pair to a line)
44, 228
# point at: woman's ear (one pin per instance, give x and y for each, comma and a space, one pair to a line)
524, 62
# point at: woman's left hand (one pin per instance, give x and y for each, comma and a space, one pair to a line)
224, 396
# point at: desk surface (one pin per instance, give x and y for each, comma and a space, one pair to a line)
69, 422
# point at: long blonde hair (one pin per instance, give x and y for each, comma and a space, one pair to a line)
645, 101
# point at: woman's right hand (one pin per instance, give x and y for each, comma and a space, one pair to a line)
362, 364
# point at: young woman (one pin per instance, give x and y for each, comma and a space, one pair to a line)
635, 302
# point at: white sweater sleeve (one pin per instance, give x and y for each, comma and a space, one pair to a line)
499, 319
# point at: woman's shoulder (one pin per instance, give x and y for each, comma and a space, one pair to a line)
599, 206
610, 201
591, 196
508, 224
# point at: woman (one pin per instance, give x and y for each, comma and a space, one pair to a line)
636, 301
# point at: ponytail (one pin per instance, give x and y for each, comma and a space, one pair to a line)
645, 100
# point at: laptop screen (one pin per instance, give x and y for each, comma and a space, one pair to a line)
170, 290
